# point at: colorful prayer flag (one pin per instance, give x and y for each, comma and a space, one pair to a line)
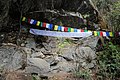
72, 29
104, 34
31, 21
38, 23
44, 24
62, 28
75, 30
69, 29
47, 25
51, 26
101, 33
85, 30
65, 29
82, 30
111, 34
59, 28
78, 30
56, 27
107, 33
24, 18
95, 33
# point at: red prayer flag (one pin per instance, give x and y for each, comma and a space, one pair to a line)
65, 29
101, 33
44, 24
82, 30
29, 20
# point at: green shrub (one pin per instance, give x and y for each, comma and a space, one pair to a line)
109, 62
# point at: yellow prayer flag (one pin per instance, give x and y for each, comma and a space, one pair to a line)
23, 18
38, 23
95, 33
89, 31
72, 29
111, 34
56, 27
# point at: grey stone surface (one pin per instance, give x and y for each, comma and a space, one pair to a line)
37, 55
30, 43
90, 42
64, 66
37, 65
82, 55
11, 58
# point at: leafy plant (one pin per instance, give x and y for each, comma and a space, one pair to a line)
109, 62
83, 74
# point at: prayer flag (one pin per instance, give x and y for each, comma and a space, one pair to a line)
51, 26
69, 29
72, 29
107, 33
24, 18
75, 30
82, 30
62, 28
65, 29
31, 21
59, 28
101, 33
111, 34
95, 33
38, 23
47, 25
44, 24
104, 34
56, 27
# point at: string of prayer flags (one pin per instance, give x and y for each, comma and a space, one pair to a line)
67, 29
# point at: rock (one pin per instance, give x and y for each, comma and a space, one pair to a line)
51, 60
37, 55
30, 43
89, 42
28, 51
68, 54
64, 66
37, 65
11, 58
82, 55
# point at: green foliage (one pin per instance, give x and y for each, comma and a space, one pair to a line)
114, 16
64, 43
84, 74
109, 62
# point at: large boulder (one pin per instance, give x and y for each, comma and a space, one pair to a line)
37, 65
11, 58
85, 56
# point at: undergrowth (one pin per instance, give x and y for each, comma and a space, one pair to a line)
109, 63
